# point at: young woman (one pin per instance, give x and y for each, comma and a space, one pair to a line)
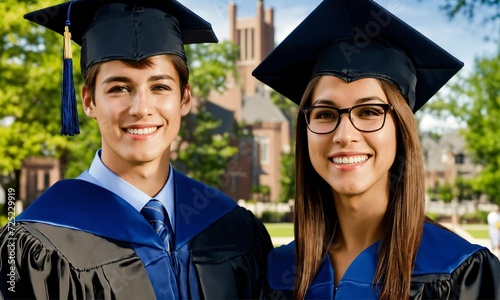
360, 226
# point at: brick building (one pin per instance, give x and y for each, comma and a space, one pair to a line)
250, 101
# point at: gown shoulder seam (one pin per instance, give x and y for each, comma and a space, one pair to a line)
49, 246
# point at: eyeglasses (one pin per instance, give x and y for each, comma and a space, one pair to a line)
364, 117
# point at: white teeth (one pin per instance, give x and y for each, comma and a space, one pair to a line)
141, 131
350, 159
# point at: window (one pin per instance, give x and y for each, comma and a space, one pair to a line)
46, 179
459, 159
252, 44
234, 182
264, 149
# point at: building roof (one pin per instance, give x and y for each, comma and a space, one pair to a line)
222, 114
260, 108
437, 151
454, 141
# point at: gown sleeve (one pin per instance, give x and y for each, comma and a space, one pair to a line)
231, 257
478, 277
40, 261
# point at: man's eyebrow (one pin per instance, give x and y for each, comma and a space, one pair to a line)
161, 77
116, 79
126, 79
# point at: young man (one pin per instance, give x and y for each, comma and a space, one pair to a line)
132, 227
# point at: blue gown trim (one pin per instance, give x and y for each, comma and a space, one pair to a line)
196, 207
103, 213
440, 252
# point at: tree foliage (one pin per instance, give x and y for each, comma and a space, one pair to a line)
460, 189
209, 65
287, 180
287, 166
470, 8
30, 85
204, 153
486, 12
475, 100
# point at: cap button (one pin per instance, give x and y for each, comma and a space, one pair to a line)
348, 72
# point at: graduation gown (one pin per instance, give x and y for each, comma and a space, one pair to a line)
80, 241
447, 267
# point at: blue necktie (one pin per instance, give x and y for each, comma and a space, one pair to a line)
156, 214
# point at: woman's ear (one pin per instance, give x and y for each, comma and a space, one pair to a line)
186, 101
87, 102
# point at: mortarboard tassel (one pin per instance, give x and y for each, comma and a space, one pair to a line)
69, 112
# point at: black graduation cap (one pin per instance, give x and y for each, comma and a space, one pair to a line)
119, 30
354, 39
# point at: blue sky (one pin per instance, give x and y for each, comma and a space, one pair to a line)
459, 36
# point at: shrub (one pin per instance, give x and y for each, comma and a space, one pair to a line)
272, 217
477, 217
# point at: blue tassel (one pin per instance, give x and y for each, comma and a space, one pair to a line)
69, 112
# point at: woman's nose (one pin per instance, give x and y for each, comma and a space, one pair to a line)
345, 132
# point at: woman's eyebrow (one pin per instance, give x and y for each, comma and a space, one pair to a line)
358, 101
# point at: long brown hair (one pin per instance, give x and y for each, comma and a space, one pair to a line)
315, 215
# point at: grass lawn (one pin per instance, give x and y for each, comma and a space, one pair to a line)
280, 229
478, 231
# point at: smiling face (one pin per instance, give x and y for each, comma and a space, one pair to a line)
138, 111
350, 161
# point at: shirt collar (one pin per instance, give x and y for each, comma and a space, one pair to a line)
104, 177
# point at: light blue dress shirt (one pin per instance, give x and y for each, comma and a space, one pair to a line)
100, 175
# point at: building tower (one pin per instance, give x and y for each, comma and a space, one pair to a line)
255, 39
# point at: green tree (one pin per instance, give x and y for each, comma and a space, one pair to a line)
204, 152
485, 12
475, 101
464, 189
433, 191
287, 167
287, 179
81, 149
30, 88
445, 192
209, 65
488, 10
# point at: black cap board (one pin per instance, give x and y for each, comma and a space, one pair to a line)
126, 29
354, 39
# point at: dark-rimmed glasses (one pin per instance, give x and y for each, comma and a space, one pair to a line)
323, 119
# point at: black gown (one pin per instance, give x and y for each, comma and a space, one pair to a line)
80, 241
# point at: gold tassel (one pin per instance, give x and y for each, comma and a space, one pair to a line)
67, 43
